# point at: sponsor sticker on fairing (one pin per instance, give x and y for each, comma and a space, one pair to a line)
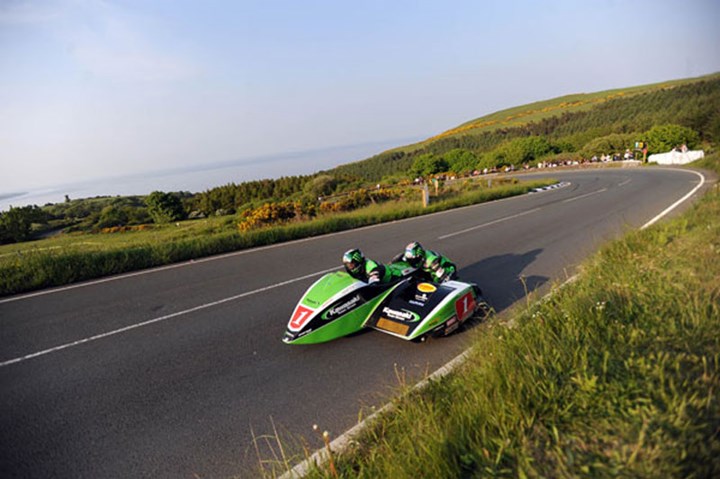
343, 308
403, 315
300, 318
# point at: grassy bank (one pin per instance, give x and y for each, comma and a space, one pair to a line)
616, 375
68, 259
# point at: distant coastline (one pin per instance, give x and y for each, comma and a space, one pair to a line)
7, 196
200, 178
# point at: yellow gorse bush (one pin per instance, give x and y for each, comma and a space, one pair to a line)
275, 213
284, 211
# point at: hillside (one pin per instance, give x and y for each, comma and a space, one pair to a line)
569, 122
534, 112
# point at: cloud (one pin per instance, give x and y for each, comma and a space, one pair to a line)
104, 39
130, 65
115, 46
25, 13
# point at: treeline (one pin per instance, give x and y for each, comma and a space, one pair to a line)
91, 214
379, 166
530, 150
105, 213
99, 212
230, 197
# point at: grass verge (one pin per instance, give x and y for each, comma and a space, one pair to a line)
615, 375
66, 260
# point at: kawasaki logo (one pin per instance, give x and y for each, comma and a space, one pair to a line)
403, 315
341, 309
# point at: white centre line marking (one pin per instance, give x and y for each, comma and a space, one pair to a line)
488, 224
161, 318
585, 195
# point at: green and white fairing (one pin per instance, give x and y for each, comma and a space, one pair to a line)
338, 305
334, 306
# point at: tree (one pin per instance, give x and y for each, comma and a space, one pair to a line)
523, 150
460, 160
112, 215
164, 207
609, 144
486, 161
321, 185
429, 164
713, 129
15, 224
663, 138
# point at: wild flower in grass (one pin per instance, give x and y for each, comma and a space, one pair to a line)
326, 440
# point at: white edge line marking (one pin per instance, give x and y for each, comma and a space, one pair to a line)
585, 195
206, 259
678, 202
500, 220
342, 442
161, 318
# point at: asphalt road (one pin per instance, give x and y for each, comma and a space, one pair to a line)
167, 373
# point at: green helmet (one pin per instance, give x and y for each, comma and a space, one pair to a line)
414, 253
354, 261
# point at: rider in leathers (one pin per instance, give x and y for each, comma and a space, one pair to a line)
435, 266
365, 269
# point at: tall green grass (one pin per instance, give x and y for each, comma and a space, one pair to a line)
36, 268
617, 374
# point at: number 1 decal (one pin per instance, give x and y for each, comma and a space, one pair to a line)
465, 306
300, 317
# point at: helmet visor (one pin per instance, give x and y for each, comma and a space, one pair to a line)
352, 266
412, 256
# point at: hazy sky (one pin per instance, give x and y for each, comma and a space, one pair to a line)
94, 88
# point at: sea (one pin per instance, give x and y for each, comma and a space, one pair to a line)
201, 178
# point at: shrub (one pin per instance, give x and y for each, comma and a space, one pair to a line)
429, 164
522, 150
461, 161
164, 207
609, 144
275, 213
664, 138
